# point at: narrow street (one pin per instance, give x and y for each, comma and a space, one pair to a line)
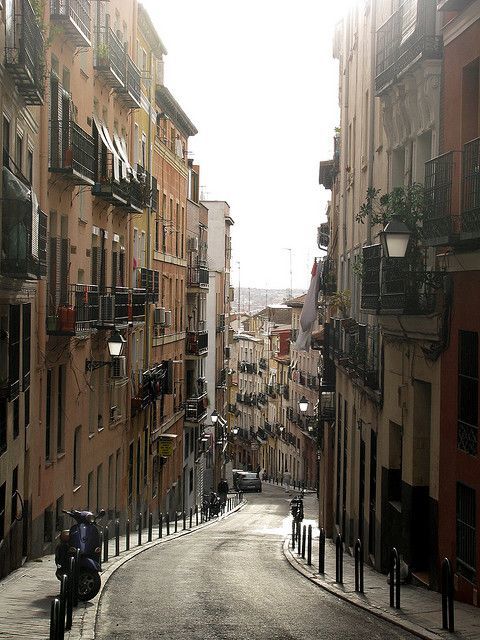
229, 581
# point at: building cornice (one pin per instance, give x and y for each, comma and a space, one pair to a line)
461, 23
174, 111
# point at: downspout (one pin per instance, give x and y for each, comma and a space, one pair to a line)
345, 161
149, 208
371, 125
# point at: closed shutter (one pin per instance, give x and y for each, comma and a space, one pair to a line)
53, 275
156, 284
26, 341
94, 274
121, 269
42, 244
114, 268
64, 268
56, 146
103, 269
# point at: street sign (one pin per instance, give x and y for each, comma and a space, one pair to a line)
165, 448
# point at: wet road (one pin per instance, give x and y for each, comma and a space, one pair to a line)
229, 581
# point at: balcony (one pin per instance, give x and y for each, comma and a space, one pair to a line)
453, 5
197, 277
135, 191
149, 280
109, 58
328, 277
403, 290
197, 343
323, 236
113, 308
108, 184
326, 174
452, 182
130, 93
222, 379
136, 312
327, 407
77, 313
72, 152
371, 258
220, 322
405, 38
25, 51
196, 408
73, 16
24, 230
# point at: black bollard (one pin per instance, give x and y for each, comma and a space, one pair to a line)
127, 535
321, 551
304, 540
150, 526
309, 545
75, 577
196, 515
70, 587
105, 544
448, 613
394, 579
358, 567
54, 618
191, 518
160, 525
139, 530
167, 520
339, 560
176, 521
299, 537
63, 605
184, 520
293, 535
117, 537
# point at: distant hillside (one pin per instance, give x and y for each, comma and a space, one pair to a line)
253, 300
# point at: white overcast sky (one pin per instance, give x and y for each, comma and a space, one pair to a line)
258, 80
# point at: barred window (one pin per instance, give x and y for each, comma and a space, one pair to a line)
466, 531
467, 431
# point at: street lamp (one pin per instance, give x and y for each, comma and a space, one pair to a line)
395, 238
115, 344
214, 417
303, 404
235, 431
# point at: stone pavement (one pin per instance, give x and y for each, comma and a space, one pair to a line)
421, 609
27, 593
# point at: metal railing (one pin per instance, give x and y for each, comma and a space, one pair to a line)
25, 51
198, 277
471, 190
108, 185
109, 58
72, 152
77, 313
441, 189
196, 408
370, 293
137, 305
74, 16
408, 34
131, 92
197, 343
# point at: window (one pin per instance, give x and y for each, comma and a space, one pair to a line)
466, 531
6, 141
190, 484
76, 457
467, 399
90, 491
145, 457
58, 514
16, 418
130, 472
26, 404
19, 150
3, 490
48, 416
26, 343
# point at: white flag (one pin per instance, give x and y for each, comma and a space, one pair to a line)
309, 312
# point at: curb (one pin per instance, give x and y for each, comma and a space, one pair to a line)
411, 627
85, 621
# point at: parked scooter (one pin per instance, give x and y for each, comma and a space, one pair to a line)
296, 508
84, 536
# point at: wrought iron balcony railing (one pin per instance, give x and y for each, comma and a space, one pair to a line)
130, 93
405, 291
72, 152
108, 184
109, 58
149, 279
197, 343
329, 277
74, 18
113, 308
323, 235
196, 408
470, 223
23, 228
220, 322
77, 312
138, 298
198, 277
370, 293
136, 195
407, 36
25, 51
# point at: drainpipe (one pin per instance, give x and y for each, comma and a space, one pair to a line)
371, 138
345, 161
149, 208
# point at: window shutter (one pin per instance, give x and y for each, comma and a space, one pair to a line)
103, 268
42, 244
122, 269
52, 275
94, 274
114, 268
65, 102
64, 265
26, 341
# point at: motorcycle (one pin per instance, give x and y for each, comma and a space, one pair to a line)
211, 505
83, 536
296, 508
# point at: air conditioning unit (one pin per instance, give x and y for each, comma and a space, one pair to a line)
168, 318
106, 309
119, 367
159, 316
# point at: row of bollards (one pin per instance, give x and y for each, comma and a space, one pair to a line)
61, 610
303, 540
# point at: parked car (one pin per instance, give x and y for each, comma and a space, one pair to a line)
247, 481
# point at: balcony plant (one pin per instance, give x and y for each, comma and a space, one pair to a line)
341, 300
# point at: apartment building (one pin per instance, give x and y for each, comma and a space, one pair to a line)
197, 345
219, 255
384, 314
23, 237
452, 232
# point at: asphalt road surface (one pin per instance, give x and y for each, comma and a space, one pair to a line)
229, 581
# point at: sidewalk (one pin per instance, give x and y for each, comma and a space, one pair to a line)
421, 609
27, 593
